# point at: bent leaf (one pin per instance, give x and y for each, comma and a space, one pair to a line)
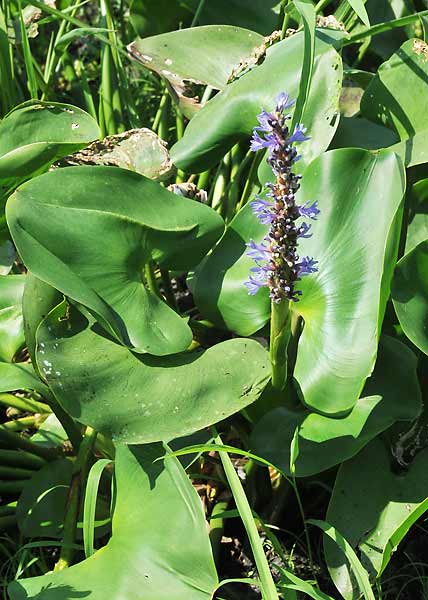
164, 559
36, 134
373, 508
410, 295
232, 114
142, 398
117, 221
324, 441
203, 55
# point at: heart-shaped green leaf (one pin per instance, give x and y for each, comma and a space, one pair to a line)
117, 221
164, 559
11, 324
373, 508
142, 398
355, 241
401, 107
231, 115
410, 295
324, 441
36, 134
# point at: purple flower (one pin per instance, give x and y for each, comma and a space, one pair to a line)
263, 209
258, 252
298, 135
306, 266
310, 212
303, 231
254, 284
283, 102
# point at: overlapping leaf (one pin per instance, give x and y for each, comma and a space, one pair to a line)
117, 221
355, 241
11, 324
402, 107
377, 526
231, 115
204, 55
35, 134
164, 558
144, 398
410, 295
324, 441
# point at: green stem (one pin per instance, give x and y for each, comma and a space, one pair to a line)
305, 525
217, 528
19, 458
15, 473
285, 20
24, 404
150, 275
252, 180
78, 479
14, 440
167, 289
158, 116
381, 27
12, 487
24, 423
197, 13
280, 332
267, 584
321, 5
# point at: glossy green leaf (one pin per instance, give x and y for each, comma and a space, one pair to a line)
116, 222
374, 508
325, 442
232, 114
144, 398
36, 134
410, 295
400, 107
164, 559
11, 323
362, 133
355, 241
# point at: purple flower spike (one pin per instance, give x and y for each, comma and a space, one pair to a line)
277, 262
310, 212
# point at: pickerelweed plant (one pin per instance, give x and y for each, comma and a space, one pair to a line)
278, 265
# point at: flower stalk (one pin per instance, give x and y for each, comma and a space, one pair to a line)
278, 264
